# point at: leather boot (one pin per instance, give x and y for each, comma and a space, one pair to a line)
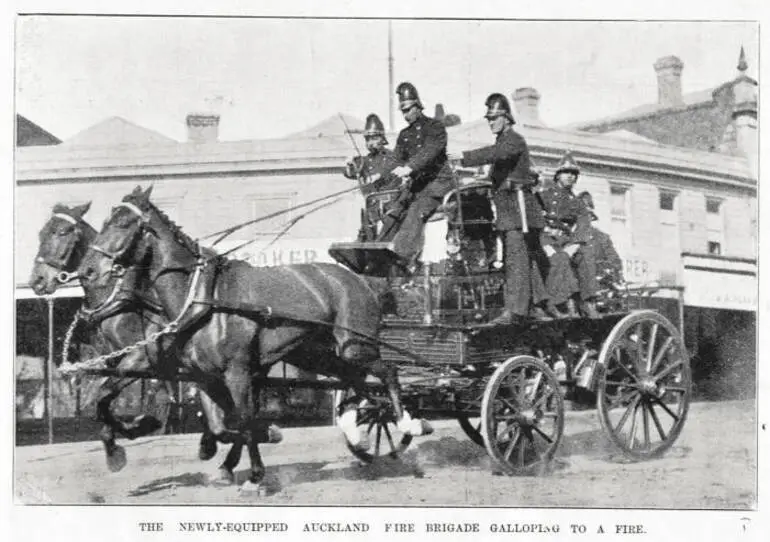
506, 318
540, 313
589, 309
554, 311
572, 311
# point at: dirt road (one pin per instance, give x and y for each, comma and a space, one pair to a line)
712, 465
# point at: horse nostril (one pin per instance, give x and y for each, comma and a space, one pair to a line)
89, 273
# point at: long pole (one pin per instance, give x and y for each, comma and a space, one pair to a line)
391, 90
49, 373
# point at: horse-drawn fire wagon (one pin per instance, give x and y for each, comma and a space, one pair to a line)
420, 345
507, 384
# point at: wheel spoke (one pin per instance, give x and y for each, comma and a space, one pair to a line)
379, 439
512, 445
538, 381
655, 419
651, 346
668, 370
514, 408
389, 437
543, 398
665, 407
629, 373
638, 361
678, 389
646, 424
632, 433
542, 434
662, 352
622, 384
624, 418
522, 449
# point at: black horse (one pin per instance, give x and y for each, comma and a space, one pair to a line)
234, 321
119, 320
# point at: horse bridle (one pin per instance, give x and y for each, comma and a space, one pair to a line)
118, 270
60, 263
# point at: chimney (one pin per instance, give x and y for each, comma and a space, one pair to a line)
744, 113
439, 114
669, 70
527, 103
202, 127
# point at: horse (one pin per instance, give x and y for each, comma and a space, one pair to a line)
234, 321
122, 321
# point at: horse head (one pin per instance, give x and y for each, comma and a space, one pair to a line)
139, 241
63, 243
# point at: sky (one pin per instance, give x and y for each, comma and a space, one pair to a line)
271, 77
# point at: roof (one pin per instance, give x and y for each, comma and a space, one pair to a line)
336, 125
116, 132
30, 134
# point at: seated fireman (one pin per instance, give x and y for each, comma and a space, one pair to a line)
564, 240
510, 175
373, 173
609, 266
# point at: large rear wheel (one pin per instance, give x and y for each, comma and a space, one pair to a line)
643, 389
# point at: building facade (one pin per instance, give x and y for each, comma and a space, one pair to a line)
679, 214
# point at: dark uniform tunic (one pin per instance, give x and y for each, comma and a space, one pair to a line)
422, 147
510, 171
608, 262
373, 173
568, 221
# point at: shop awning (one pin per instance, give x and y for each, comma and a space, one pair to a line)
719, 282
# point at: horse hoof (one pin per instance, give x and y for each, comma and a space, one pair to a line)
274, 435
117, 459
223, 478
207, 448
250, 488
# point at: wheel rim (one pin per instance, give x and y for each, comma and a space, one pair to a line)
472, 428
522, 415
376, 418
644, 389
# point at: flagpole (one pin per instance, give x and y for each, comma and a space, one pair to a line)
390, 76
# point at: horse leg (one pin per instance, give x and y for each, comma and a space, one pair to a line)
215, 429
140, 426
389, 376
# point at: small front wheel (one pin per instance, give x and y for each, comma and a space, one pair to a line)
376, 419
522, 415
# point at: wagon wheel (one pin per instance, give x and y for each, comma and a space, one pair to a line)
472, 428
522, 415
643, 390
470, 422
376, 418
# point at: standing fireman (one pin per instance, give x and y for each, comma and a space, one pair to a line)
373, 172
565, 241
520, 227
421, 147
609, 266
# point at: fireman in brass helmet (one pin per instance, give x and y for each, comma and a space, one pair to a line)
421, 147
373, 172
519, 216
565, 242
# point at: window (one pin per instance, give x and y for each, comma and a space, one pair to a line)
714, 226
667, 200
620, 217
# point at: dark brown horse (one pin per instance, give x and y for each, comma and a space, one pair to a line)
235, 321
118, 320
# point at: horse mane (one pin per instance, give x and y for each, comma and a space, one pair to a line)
146, 205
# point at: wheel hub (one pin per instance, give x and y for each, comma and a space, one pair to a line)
648, 386
529, 417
